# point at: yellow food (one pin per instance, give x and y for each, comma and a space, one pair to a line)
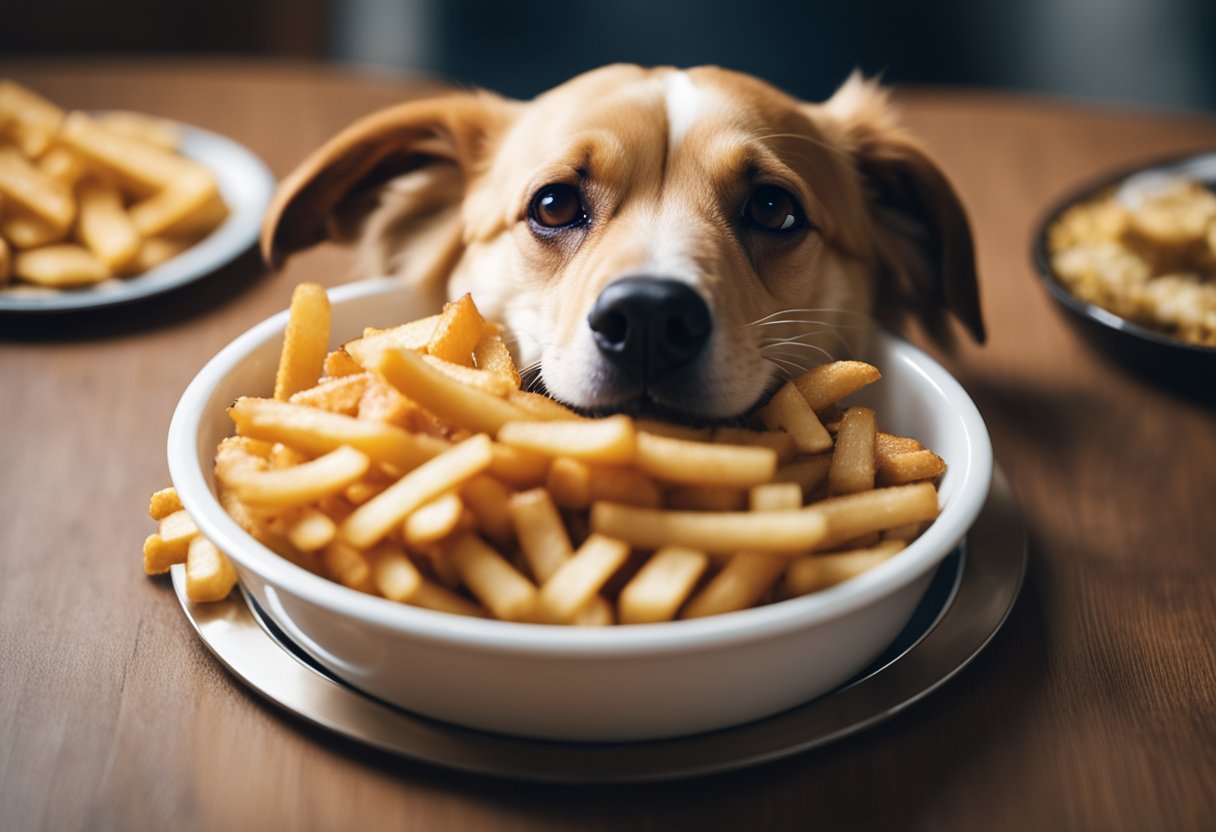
392, 476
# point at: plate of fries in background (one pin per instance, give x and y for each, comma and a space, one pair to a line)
104, 208
1131, 259
392, 491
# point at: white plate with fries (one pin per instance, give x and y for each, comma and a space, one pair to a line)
611, 683
104, 208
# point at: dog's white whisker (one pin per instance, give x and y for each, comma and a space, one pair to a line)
807, 310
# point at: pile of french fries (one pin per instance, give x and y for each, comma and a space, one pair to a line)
84, 198
410, 464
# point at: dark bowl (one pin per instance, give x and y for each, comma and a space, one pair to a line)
1168, 362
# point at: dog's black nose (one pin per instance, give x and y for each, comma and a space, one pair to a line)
650, 325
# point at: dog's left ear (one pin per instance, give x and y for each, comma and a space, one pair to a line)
924, 240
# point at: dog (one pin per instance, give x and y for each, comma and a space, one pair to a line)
656, 241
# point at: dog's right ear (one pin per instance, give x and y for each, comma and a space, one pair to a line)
426, 148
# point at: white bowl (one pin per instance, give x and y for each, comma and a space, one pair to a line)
588, 684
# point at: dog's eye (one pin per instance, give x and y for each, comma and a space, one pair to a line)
770, 208
557, 206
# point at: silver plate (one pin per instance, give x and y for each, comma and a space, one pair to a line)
966, 604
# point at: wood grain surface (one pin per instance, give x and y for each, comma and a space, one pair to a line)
1095, 707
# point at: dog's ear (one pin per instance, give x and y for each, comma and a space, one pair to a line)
395, 173
924, 239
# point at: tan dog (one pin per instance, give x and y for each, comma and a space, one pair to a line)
656, 241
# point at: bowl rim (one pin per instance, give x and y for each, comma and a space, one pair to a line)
187, 474
1041, 259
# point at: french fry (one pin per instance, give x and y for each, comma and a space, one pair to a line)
595, 613
348, 566
300, 484
775, 496
465, 407
577, 580
164, 503
316, 432
789, 411
59, 266
62, 165
492, 580
25, 230
392, 573
150, 129
541, 408
459, 330
487, 499
104, 226
413, 336
781, 442
156, 252
714, 532
829, 383
28, 118
809, 473
312, 531
696, 463
517, 467
542, 536
606, 441
812, 573
6, 262
27, 186
491, 354
674, 431
854, 462
373, 520
210, 576
661, 585
339, 363
851, 516
170, 542
432, 596
738, 585
139, 166
191, 208
492, 383
899, 469
305, 341
337, 395
434, 520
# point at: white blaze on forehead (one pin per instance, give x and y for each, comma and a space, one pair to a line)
685, 103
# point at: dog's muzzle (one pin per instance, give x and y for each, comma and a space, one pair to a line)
648, 327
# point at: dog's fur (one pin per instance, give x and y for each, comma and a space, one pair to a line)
438, 191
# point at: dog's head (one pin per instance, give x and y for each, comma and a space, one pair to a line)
655, 240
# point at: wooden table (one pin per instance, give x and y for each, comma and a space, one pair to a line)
1095, 708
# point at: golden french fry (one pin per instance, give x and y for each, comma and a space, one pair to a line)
163, 503
517, 467
661, 585
339, 363
674, 431
780, 441
170, 543
142, 127
714, 532
413, 336
31, 120
854, 462
595, 613
851, 516
447, 398
394, 576
542, 536
541, 408
59, 266
829, 383
301, 484
27, 186
775, 496
434, 521
810, 473
139, 166
492, 383
888, 444
432, 596
459, 330
577, 580
103, 224
373, 520
697, 463
156, 252
492, 580
6, 262
317, 432
348, 566
811, 573
487, 498
312, 531
192, 208
62, 165
305, 341
25, 230
901, 468
491, 354
607, 441
789, 411
210, 576
738, 585
337, 395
